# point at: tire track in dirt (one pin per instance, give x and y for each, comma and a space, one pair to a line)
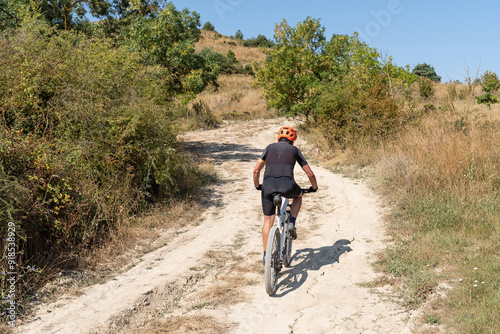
339, 231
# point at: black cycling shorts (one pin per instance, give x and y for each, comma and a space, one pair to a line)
283, 185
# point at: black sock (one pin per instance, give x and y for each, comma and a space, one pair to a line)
292, 220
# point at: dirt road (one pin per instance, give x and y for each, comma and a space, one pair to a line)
198, 275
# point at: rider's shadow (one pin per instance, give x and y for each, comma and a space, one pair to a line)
309, 259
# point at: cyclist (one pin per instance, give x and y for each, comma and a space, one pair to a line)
279, 159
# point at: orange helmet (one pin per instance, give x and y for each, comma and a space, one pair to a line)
288, 133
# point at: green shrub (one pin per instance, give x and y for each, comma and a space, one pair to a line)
349, 113
490, 83
427, 71
239, 35
86, 139
259, 41
487, 99
425, 87
208, 26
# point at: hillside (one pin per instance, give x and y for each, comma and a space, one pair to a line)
236, 97
221, 43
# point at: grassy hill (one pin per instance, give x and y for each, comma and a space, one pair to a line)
236, 97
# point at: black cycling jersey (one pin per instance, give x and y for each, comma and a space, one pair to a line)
280, 159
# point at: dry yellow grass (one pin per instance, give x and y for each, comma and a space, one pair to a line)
443, 176
222, 44
236, 98
199, 324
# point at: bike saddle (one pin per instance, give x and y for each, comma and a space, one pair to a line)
277, 199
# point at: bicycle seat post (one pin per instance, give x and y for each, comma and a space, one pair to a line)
277, 201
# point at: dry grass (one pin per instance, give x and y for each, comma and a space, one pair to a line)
143, 234
124, 247
5, 329
222, 44
219, 284
443, 178
236, 98
199, 324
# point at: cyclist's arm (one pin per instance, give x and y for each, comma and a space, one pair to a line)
256, 172
311, 176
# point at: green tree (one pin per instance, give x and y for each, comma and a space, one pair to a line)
139, 7
67, 14
239, 35
9, 13
168, 39
208, 26
490, 83
260, 40
426, 70
291, 75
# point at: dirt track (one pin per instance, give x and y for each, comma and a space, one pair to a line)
339, 229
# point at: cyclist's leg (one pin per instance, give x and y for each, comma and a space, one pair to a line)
268, 209
295, 192
296, 204
268, 224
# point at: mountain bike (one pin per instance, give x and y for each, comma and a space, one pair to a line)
279, 243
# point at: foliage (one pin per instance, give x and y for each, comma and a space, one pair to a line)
293, 71
350, 113
86, 139
224, 64
239, 35
259, 41
125, 8
487, 99
10, 13
490, 84
426, 70
425, 87
350, 93
208, 26
168, 40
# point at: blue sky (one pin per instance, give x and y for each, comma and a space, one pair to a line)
449, 35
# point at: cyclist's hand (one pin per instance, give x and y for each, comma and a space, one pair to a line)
312, 190
259, 187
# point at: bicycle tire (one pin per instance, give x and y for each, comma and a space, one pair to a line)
287, 256
272, 261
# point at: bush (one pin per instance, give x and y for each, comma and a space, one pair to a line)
426, 70
208, 26
349, 113
259, 41
490, 83
239, 35
225, 64
86, 138
487, 99
425, 87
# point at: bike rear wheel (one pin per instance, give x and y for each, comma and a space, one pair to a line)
287, 257
272, 267
287, 251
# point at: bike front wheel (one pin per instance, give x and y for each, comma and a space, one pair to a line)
272, 267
